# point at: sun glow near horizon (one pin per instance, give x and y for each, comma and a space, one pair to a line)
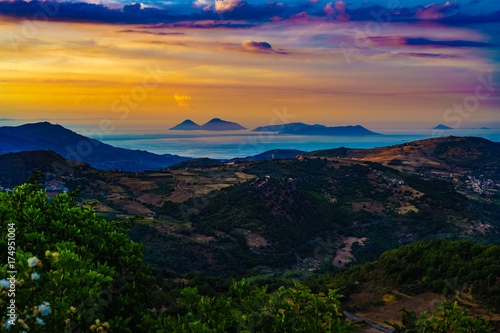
314, 67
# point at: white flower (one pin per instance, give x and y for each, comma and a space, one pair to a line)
35, 276
9, 321
4, 283
44, 308
33, 261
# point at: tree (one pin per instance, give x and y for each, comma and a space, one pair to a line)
75, 271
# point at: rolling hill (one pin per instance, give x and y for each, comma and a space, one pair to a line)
16, 167
319, 210
446, 154
338, 201
269, 155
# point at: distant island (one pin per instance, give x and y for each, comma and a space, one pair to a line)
281, 128
186, 125
305, 129
442, 127
216, 124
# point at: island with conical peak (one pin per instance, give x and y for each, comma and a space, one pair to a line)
305, 129
216, 124
186, 125
442, 127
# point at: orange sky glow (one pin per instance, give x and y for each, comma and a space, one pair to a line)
163, 75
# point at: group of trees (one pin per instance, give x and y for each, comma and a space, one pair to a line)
79, 273
448, 266
84, 269
441, 266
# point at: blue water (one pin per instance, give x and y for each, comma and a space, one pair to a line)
247, 143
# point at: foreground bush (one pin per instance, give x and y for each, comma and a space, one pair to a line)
75, 272
446, 318
253, 309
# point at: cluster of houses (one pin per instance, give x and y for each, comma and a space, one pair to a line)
392, 181
5, 189
481, 185
52, 184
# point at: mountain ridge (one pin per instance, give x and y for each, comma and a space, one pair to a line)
299, 128
74, 146
446, 153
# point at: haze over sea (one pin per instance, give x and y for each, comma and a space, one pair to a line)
223, 145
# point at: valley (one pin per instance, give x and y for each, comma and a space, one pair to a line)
314, 212
308, 218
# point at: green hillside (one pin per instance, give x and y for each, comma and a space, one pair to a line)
83, 273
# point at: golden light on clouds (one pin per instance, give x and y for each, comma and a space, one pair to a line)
240, 74
182, 100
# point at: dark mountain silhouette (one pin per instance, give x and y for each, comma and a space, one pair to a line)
305, 129
13, 143
442, 127
16, 167
186, 125
335, 131
76, 147
217, 124
270, 154
281, 128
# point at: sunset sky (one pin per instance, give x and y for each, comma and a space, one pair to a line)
153, 64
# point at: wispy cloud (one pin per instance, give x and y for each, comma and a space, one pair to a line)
260, 47
425, 42
239, 10
206, 24
222, 6
158, 33
182, 100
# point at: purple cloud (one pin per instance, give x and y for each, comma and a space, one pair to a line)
260, 47
205, 24
240, 10
424, 42
446, 43
436, 12
157, 33
428, 55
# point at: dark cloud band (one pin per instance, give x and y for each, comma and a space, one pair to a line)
247, 14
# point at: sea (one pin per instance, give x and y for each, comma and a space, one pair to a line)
226, 145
